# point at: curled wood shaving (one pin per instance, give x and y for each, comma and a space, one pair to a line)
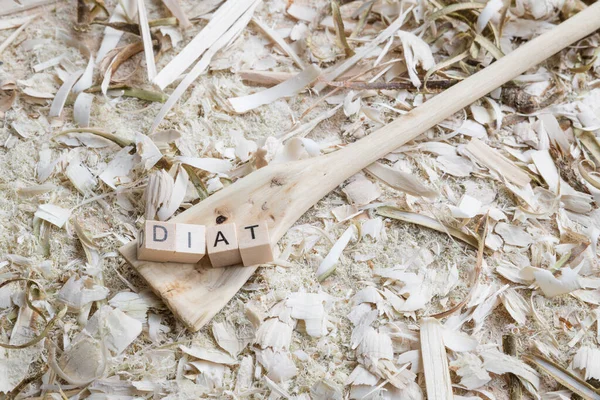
86, 78
127, 91
61, 96
489, 46
169, 207
454, 8
441, 65
23, 384
563, 376
339, 69
112, 36
423, 220
99, 132
491, 8
89, 247
590, 142
196, 181
492, 159
287, 88
41, 336
265, 78
53, 214
477, 273
52, 361
158, 192
547, 169
327, 266
339, 27
400, 180
142, 94
585, 67
587, 359
416, 52
28, 285
82, 109
586, 175
110, 65
8, 94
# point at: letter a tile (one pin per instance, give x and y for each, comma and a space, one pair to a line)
222, 245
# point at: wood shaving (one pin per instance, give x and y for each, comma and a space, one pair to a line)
400, 284
287, 88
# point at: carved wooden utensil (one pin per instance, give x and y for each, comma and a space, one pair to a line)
280, 194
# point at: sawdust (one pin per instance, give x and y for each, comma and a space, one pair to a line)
202, 120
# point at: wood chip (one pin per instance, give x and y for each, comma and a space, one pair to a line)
400, 180
61, 96
288, 88
435, 361
495, 161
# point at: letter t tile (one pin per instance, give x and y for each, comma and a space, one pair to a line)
255, 244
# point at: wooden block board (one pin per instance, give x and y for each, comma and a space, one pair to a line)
195, 293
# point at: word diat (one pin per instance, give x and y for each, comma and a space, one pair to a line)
225, 244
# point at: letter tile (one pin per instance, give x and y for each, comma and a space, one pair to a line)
255, 244
190, 243
222, 245
156, 241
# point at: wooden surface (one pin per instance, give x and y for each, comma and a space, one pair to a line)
280, 194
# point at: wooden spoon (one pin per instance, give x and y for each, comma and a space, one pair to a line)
281, 193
